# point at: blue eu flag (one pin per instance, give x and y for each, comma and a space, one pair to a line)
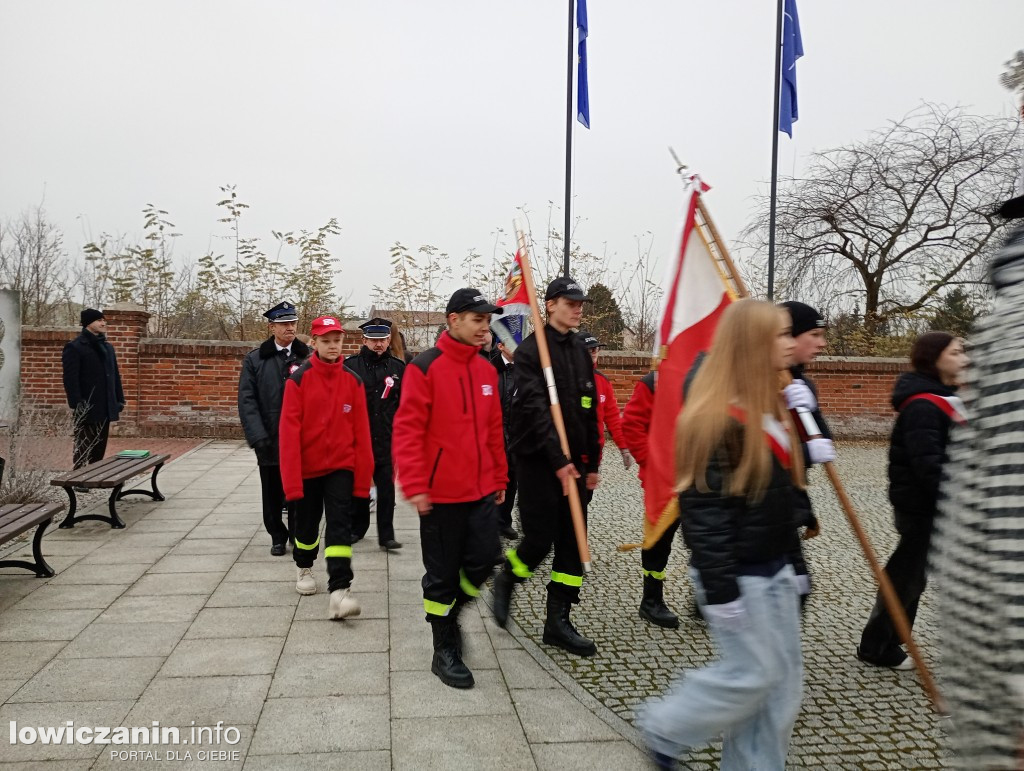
792, 49
582, 94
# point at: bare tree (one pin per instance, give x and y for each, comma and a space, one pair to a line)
33, 261
888, 223
639, 293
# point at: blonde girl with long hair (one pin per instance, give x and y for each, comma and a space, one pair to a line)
739, 461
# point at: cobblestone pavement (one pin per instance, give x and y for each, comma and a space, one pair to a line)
853, 716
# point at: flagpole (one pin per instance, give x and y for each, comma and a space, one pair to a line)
568, 136
775, 151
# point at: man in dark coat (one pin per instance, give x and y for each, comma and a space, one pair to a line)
382, 376
93, 387
503, 360
260, 393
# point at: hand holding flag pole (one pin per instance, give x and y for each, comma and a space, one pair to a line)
575, 505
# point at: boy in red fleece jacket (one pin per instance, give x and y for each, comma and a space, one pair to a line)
326, 459
449, 451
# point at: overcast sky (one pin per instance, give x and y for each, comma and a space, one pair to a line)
429, 121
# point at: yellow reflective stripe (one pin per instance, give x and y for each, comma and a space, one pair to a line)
658, 574
518, 566
466, 585
308, 546
338, 551
437, 608
565, 578
586, 402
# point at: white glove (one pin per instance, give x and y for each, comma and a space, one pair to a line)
627, 459
799, 396
373, 493
821, 450
802, 583
730, 615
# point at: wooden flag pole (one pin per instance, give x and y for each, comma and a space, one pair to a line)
575, 505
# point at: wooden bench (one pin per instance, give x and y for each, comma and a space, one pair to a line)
110, 472
15, 519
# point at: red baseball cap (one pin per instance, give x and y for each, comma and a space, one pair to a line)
325, 324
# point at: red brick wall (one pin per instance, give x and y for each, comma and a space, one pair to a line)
190, 387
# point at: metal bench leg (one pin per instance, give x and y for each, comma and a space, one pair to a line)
69, 520
39, 567
155, 494
115, 496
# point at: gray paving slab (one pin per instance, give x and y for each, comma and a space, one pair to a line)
176, 583
314, 607
367, 760
356, 635
421, 694
331, 674
521, 669
72, 596
161, 526
443, 743
271, 621
224, 531
210, 546
257, 594
162, 608
194, 563
100, 574
272, 569
45, 625
186, 757
89, 679
586, 756
117, 554
224, 656
19, 661
325, 724
554, 715
125, 640
56, 714
233, 699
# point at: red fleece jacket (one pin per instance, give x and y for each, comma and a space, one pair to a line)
636, 422
448, 440
324, 427
608, 411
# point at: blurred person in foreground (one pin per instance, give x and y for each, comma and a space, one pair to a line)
978, 557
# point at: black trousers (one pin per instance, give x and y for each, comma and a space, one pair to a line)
907, 569
384, 479
458, 541
505, 509
273, 504
90, 442
655, 559
329, 496
547, 524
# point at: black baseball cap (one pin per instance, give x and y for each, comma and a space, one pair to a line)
589, 339
565, 286
470, 300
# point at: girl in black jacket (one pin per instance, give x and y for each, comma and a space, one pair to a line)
739, 463
926, 405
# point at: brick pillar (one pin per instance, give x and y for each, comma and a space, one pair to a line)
127, 325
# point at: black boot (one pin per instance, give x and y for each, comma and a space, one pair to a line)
504, 583
653, 606
559, 631
447, 663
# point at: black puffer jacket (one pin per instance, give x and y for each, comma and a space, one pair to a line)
532, 431
724, 532
260, 393
92, 381
506, 390
381, 398
917, 450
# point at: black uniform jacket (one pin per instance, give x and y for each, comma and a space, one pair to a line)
532, 431
917, 450
381, 397
726, 532
92, 381
261, 391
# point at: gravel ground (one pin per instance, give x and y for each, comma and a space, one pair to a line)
853, 716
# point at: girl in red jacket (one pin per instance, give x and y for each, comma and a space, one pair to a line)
326, 459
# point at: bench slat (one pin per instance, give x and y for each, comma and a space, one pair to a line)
15, 519
111, 474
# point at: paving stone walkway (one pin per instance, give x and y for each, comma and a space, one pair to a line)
184, 618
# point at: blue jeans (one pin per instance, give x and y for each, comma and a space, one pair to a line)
750, 695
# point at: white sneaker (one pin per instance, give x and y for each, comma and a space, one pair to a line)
343, 605
305, 583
